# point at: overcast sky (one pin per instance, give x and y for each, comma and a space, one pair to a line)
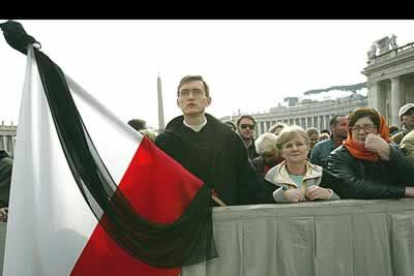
249, 65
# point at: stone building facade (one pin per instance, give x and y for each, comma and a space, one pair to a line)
313, 114
8, 138
390, 74
390, 83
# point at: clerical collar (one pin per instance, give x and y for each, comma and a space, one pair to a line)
196, 128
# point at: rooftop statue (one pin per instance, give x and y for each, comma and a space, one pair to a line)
383, 44
393, 42
372, 52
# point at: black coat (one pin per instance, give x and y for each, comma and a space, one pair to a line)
6, 164
251, 151
359, 179
216, 155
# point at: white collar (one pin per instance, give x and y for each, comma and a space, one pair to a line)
196, 128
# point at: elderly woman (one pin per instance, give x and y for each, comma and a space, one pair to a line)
366, 166
296, 179
269, 155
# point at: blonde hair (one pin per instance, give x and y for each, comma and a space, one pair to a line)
290, 132
266, 143
149, 133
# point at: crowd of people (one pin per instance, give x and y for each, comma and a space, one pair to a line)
359, 157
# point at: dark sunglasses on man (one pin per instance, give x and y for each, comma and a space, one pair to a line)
244, 126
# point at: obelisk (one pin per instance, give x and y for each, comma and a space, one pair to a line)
161, 124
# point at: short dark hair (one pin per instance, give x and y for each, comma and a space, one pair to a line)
245, 117
334, 120
325, 131
231, 124
138, 124
362, 113
190, 78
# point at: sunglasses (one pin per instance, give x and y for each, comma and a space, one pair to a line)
244, 126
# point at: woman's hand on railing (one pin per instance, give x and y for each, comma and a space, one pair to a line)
294, 195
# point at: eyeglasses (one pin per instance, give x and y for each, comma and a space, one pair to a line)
244, 126
365, 128
186, 93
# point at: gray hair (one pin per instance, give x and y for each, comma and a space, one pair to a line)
273, 128
266, 143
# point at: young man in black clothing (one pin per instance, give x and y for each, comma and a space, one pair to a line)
207, 147
6, 164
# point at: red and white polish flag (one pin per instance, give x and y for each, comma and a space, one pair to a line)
51, 228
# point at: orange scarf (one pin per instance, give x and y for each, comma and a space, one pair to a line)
359, 151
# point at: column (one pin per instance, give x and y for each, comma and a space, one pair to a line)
4, 142
373, 96
11, 144
257, 129
395, 100
260, 129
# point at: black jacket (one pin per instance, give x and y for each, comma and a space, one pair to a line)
216, 155
6, 164
359, 179
251, 151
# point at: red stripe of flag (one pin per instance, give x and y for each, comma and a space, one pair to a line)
160, 190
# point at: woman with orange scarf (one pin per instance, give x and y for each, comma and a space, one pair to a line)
367, 166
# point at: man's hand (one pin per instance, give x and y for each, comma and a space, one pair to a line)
294, 195
375, 143
4, 214
315, 192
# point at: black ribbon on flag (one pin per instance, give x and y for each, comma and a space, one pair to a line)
188, 240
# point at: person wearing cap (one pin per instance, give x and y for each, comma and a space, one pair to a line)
406, 115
